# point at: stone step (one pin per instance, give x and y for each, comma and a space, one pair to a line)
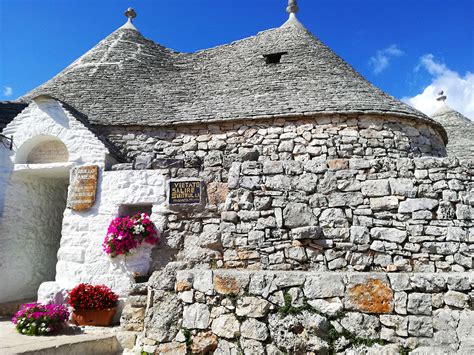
91, 340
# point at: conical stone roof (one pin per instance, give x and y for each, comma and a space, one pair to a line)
129, 80
460, 131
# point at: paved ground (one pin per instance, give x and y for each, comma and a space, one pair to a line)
79, 340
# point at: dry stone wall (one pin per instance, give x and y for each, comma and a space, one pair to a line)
216, 146
291, 312
381, 214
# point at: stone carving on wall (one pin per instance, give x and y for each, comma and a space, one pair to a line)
83, 188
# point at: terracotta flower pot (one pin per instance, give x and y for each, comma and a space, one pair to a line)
101, 318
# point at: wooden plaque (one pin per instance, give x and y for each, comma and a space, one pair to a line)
83, 187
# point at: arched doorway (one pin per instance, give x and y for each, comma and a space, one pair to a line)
31, 225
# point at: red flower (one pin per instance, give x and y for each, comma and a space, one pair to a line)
86, 296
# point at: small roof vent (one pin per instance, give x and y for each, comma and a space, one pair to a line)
274, 58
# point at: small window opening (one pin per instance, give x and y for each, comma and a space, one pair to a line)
130, 210
274, 58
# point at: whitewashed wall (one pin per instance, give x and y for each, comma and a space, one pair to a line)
80, 257
32, 200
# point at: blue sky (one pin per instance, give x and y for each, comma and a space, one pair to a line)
409, 48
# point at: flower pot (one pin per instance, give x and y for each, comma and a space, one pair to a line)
93, 317
138, 262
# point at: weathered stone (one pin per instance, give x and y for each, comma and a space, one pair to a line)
333, 217
204, 343
226, 348
456, 299
217, 192
390, 234
298, 333
360, 235
417, 204
343, 199
278, 182
253, 329
226, 326
298, 215
132, 318
383, 203
203, 281
310, 232
330, 307
160, 319
419, 303
369, 295
324, 286
252, 307
251, 346
364, 325
172, 349
306, 182
400, 302
420, 326
374, 188
196, 316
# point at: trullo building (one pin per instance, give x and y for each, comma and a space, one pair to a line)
322, 210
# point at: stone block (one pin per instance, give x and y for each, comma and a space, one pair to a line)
420, 326
417, 204
196, 316
226, 326
375, 188
252, 307
419, 303
310, 232
324, 286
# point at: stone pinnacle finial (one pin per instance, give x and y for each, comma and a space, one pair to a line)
130, 14
441, 96
292, 7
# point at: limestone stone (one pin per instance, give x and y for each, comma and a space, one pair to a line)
172, 349
310, 232
203, 281
132, 318
456, 299
389, 234
203, 343
296, 341
360, 235
252, 307
160, 319
196, 316
374, 188
251, 346
383, 203
333, 217
298, 215
324, 286
369, 293
364, 325
253, 329
420, 326
226, 348
419, 303
417, 204
226, 326
343, 199
330, 307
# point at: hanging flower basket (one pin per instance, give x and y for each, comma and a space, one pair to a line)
93, 305
129, 241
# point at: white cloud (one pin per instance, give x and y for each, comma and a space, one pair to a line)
381, 60
7, 91
458, 88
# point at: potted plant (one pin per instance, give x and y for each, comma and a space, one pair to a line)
93, 305
129, 240
40, 319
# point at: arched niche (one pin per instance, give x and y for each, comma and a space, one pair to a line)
42, 149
